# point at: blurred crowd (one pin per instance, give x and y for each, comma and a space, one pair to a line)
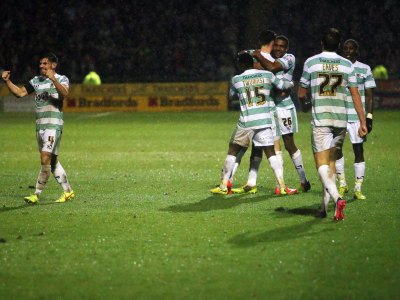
165, 41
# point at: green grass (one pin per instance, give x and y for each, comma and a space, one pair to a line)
144, 225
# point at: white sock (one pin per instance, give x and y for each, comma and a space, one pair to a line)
359, 171
340, 171
328, 181
239, 157
280, 158
42, 179
298, 163
253, 170
61, 177
325, 199
227, 170
277, 167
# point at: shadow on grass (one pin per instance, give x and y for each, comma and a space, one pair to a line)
216, 202
22, 206
304, 230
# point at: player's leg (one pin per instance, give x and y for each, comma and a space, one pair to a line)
255, 161
227, 169
283, 125
45, 168
297, 160
324, 203
56, 168
265, 139
325, 142
359, 170
359, 162
278, 153
240, 139
239, 157
339, 164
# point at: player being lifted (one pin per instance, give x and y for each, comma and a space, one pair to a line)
253, 88
366, 84
50, 89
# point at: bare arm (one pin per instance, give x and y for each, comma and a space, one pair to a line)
17, 91
302, 95
369, 103
266, 64
355, 95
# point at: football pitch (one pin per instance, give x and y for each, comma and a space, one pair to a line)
143, 224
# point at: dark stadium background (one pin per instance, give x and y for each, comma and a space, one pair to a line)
170, 41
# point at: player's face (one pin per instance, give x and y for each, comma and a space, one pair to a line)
45, 65
279, 49
349, 51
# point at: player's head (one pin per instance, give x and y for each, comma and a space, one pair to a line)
351, 49
266, 37
244, 61
281, 46
331, 39
48, 61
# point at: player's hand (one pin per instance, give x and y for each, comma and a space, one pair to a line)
369, 124
50, 74
362, 131
306, 106
5, 75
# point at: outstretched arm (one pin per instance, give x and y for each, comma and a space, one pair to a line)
17, 91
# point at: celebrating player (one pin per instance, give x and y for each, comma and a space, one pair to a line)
253, 87
50, 89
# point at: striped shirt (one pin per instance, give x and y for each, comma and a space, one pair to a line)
49, 113
365, 81
253, 88
288, 62
328, 74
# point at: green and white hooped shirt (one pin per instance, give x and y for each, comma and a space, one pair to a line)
48, 103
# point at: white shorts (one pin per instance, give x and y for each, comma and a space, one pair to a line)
49, 140
352, 129
287, 121
260, 137
324, 138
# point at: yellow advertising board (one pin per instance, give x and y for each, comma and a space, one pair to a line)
146, 97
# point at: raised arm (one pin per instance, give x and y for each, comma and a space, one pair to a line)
17, 91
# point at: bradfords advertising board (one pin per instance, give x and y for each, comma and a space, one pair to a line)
148, 97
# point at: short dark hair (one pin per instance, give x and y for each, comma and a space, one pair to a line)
331, 39
244, 61
265, 37
51, 57
283, 38
354, 42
